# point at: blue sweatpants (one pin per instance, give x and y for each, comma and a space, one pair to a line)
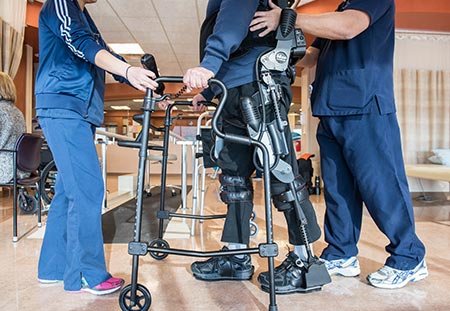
361, 159
73, 241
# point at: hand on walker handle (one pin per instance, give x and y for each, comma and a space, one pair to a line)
140, 78
197, 78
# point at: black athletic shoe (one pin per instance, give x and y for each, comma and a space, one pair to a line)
263, 277
223, 268
290, 277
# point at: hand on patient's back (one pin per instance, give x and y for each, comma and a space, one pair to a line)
197, 78
267, 20
141, 78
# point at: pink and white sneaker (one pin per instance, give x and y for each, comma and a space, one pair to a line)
109, 286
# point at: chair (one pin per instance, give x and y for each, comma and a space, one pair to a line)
26, 158
157, 158
139, 118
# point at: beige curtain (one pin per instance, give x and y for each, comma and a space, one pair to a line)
12, 30
423, 105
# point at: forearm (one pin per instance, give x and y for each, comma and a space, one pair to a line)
108, 62
335, 26
228, 32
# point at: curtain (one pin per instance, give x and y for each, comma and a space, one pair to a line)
423, 105
12, 30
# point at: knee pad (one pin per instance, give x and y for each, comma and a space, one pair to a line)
283, 198
235, 189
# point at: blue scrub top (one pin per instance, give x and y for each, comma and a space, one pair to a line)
355, 76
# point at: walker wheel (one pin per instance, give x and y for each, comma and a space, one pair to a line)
173, 193
159, 243
27, 203
142, 300
253, 229
253, 216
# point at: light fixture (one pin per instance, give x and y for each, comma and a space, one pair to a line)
139, 100
126, 48
120, 108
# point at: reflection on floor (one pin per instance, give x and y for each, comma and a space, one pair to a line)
173, 287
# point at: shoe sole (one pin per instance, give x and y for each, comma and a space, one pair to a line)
216, 277
347, 272
292, 291
414, 278
212, 278
101, 293
50, 282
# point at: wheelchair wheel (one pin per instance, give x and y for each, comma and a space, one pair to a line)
27, 203
142, 301
159, 243
48, 181
253, 228
253, 216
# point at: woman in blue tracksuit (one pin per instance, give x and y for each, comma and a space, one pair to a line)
69, 104
359, 137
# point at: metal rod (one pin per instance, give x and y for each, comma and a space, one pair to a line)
204, 217
183, 252
195, 175
149, 103
15, 239
104, 173
183, 177
269, 224
39, 202
165, 157
202, 195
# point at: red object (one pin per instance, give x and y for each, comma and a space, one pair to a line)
298, 145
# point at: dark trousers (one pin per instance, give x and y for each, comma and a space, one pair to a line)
362, 161
237, 160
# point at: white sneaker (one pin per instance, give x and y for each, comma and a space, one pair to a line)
344, 267
390, 278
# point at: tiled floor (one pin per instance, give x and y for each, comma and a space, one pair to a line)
173, 287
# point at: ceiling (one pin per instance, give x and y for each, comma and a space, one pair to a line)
169, 29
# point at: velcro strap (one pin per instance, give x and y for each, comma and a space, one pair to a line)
236, 197
285, 197
235, 181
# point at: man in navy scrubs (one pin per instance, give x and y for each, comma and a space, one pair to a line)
359, 137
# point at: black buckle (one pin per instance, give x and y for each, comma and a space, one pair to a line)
268, 250
137, 248
163, 215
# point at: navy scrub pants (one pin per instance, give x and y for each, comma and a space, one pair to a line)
73, 241
362, 161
